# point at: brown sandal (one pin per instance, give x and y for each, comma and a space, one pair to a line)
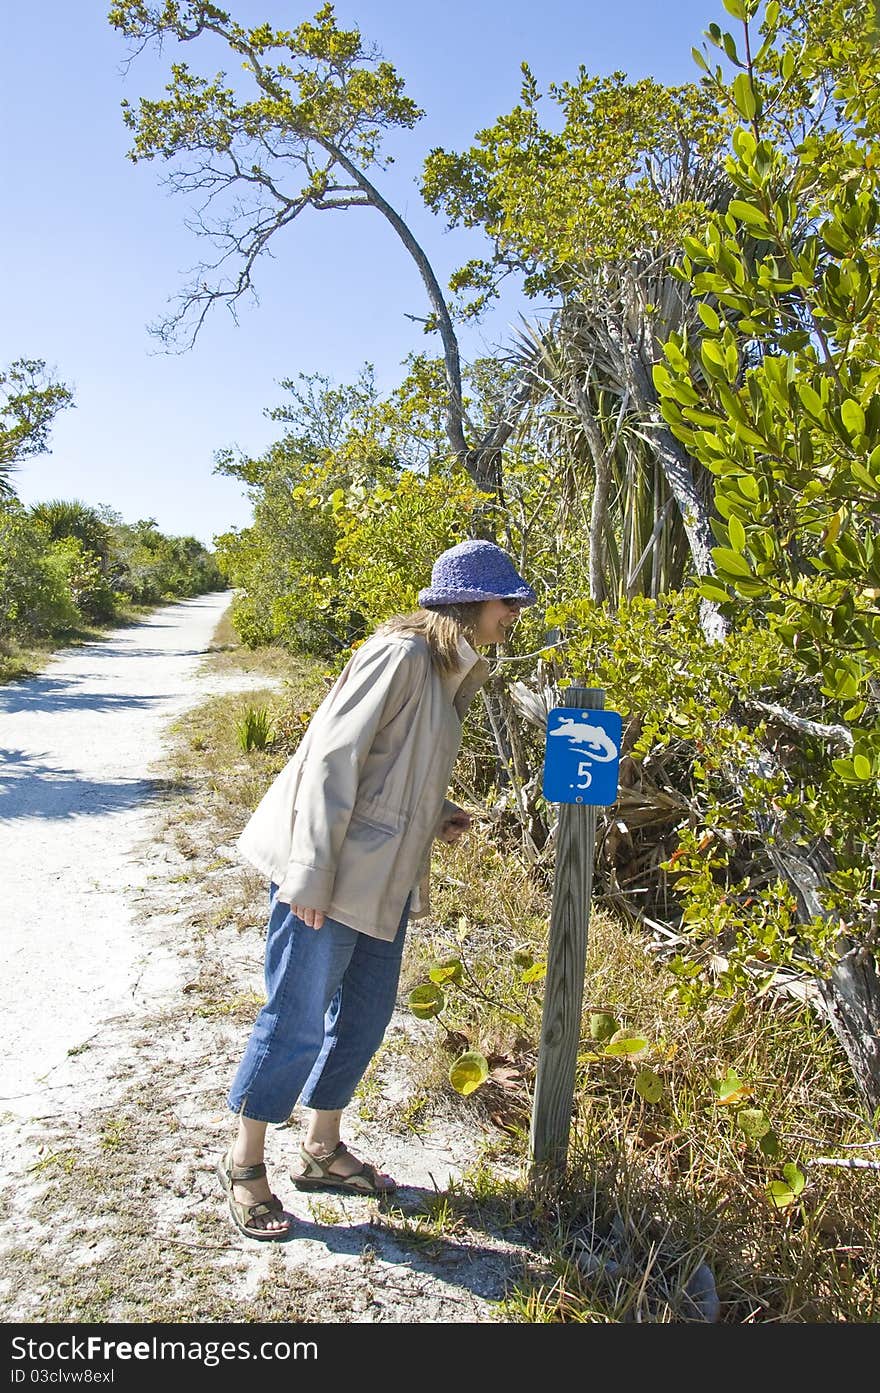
318, 1175
243, 1215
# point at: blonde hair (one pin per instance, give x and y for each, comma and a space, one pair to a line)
443, 628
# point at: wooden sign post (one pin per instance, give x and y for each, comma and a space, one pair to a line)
576, 781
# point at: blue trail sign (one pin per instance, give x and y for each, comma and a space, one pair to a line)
582, 756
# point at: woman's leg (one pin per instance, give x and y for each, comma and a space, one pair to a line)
355, 1027
303, 969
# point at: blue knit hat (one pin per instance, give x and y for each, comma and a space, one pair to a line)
474, 571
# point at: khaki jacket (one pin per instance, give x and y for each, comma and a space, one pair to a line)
347, 825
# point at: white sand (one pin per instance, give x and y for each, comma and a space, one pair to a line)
76, 801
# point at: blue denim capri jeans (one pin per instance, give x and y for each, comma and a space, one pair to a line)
330, 993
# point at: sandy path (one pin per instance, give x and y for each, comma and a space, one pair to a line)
77, 745
113, 1080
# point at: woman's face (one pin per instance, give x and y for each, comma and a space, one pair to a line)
495, 620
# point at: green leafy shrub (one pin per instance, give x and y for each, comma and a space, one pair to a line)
34, 596
81, 573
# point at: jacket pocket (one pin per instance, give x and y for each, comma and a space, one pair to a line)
378, 816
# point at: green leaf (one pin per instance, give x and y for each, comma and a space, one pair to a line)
853, 417
744, 97
811, 400
859, 472
835, 237
784, 1192
747, 485
769, 1145
683, 391
602, 1025
702, 418
535, 973
649, 1085
699, 59
843, 768
855, 712
753, 1122
711, 590
744, 143
737, 534
748, 436
730, 562
729, 1088
712, 355
862, 767
450, 970
736, 8
731, 361
468, 1072
747, 213
625, 1042
780, 1194
841, 684
750, 587
709, 317
426, 1001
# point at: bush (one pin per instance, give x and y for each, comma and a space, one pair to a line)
80, 572
34, 596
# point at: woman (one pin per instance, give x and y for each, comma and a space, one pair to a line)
344, 837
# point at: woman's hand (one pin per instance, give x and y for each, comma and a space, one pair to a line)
312, 918
454, 826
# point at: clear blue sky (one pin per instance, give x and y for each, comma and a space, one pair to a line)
92, 247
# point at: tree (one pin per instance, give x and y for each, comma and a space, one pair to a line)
71, 518
307, 137
347, 512
34, 595
147, 566
589, 371
779, 397
82, 552
592, 214
283, 565
29, 402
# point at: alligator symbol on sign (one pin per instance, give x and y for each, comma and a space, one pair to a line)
594, 739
